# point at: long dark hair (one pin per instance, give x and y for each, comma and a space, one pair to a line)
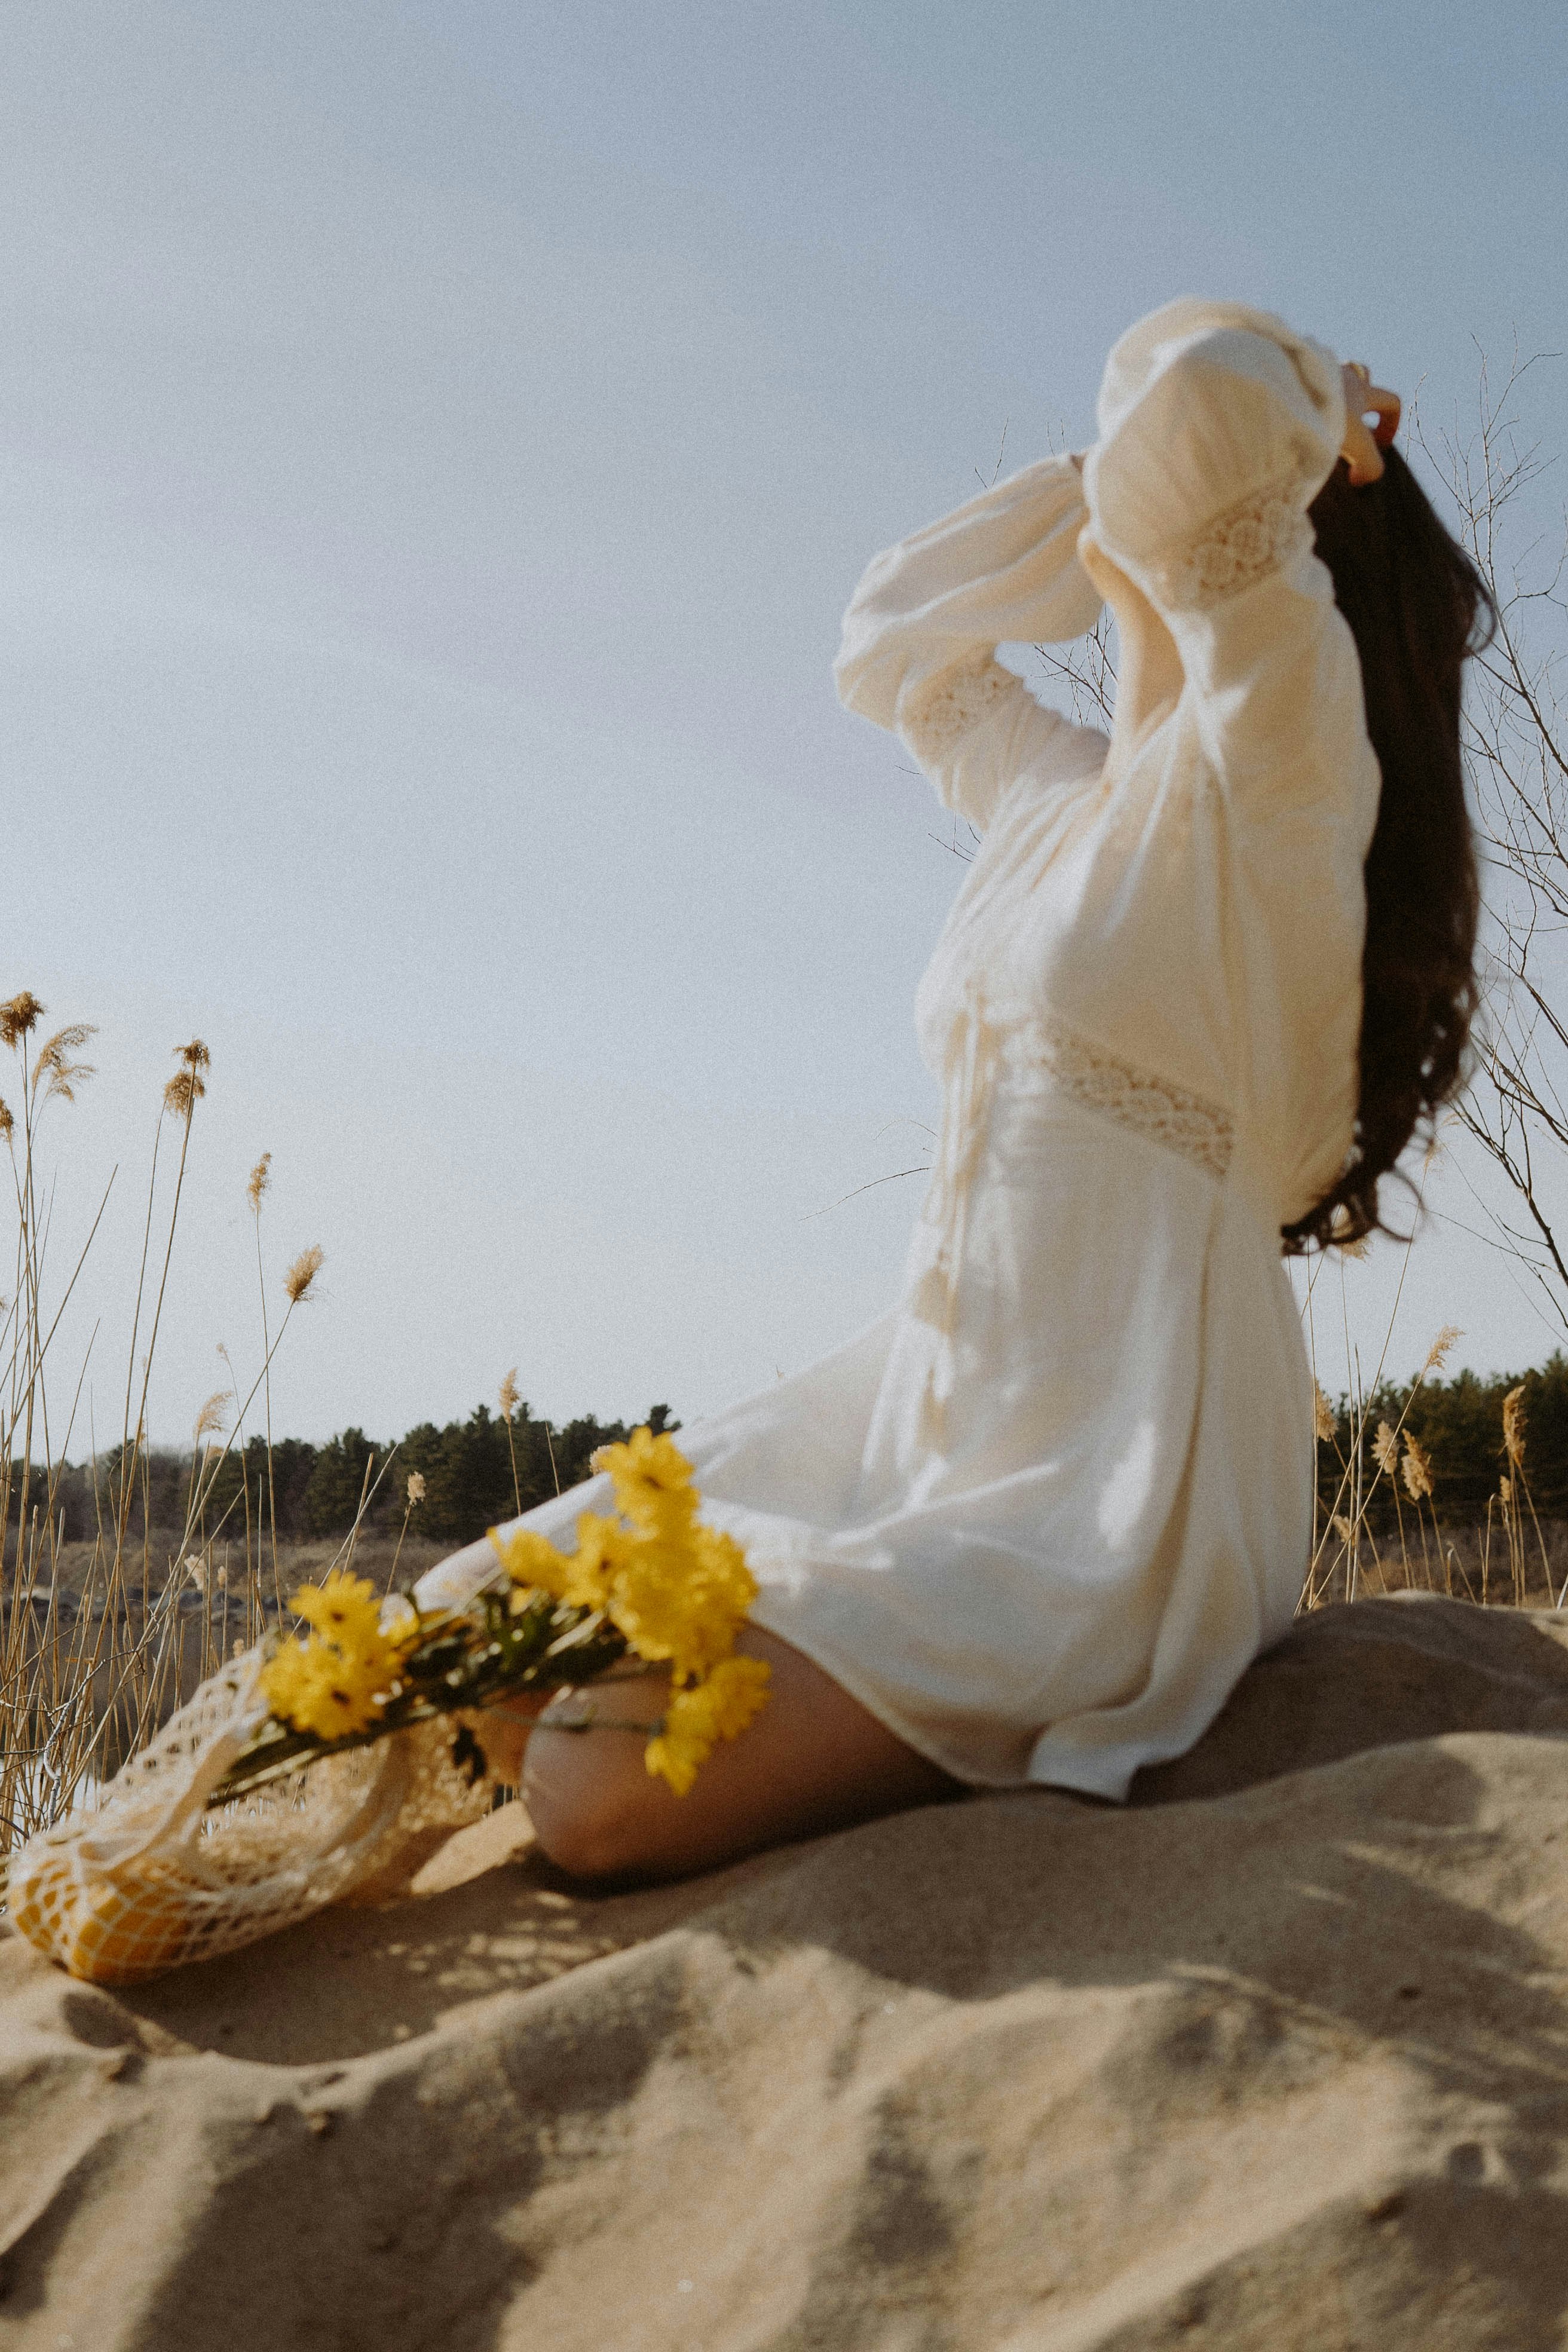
1417, 607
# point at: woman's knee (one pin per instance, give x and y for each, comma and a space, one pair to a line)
815, 1760
588, 1796
589, 1832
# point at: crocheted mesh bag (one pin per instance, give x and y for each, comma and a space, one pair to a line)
150, 1878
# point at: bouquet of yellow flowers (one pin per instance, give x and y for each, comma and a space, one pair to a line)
648, 1582
279, 1787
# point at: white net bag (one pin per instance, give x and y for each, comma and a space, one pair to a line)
150, 1878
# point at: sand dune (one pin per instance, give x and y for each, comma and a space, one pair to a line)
1277, 2057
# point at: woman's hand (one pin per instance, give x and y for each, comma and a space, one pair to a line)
1362, 446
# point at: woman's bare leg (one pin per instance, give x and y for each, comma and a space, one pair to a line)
814, 1760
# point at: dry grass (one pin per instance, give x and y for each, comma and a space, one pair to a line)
98, 1641
148, 1653
1468, 1563
1512, 1560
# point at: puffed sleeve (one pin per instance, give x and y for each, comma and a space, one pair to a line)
920, 634
1218, 427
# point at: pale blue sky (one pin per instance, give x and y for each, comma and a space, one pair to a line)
437, 444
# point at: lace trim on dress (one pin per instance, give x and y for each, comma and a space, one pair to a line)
957, 700
1183, 1122
1257, 536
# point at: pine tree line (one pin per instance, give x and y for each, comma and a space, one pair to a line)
481, 1470
1458, 1424
474, 1472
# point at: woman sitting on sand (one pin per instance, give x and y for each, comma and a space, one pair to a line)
1202, 985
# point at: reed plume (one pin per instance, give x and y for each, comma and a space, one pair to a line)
260, 1178
413, 1494
508, 1407
212, 1417
55, 1063
1417, 1468
303, 1271
18, 1017
185, 1088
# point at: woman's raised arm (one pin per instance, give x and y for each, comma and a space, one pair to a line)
1218, 427
1213, 444
923, 628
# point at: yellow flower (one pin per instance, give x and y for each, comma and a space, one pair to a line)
582, 1579
727, 1583
345, 1609
652, 1479
602, 1547
685, 1602
675, 1755
718, 1707
735, 1691
340, 1677
314, 1686
651, 1601
677, 1591
664, 1514
531, 1560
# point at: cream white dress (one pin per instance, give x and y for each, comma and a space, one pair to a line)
1041, 1514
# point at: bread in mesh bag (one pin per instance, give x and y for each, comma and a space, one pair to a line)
150, 1879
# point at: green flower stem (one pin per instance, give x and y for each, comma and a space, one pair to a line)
459, 1661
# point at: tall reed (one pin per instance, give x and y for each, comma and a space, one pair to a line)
100, 1637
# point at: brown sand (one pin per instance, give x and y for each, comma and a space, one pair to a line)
1278, 2057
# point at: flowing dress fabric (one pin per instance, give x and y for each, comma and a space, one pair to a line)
1040, 1516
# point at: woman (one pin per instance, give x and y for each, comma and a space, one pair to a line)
1033, 1525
